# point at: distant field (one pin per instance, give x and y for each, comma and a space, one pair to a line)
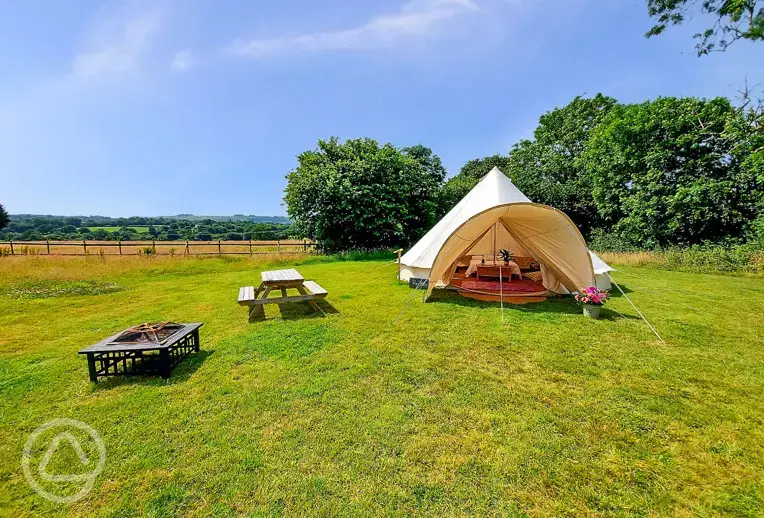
159, 247
114, 229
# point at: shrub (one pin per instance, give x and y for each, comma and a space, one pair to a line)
604, 241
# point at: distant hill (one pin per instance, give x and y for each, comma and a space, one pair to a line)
235, 217
104, 220
31, 227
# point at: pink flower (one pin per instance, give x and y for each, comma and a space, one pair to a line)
592, 295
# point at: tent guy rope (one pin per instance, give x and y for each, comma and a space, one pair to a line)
636, 308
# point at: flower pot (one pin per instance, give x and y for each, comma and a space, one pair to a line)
591, 310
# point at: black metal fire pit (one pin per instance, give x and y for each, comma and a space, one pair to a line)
145, 349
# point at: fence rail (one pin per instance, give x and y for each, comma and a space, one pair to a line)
219, 247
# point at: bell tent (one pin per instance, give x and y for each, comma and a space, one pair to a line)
495, 216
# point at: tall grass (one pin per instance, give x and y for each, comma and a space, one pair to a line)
15, 268
709, 259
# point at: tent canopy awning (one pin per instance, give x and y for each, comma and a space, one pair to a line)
546, 233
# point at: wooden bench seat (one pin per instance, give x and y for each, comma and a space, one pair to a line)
246, 295
281, 300
316, 290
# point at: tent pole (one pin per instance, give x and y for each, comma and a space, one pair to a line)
494, 241
635, 307
501, 294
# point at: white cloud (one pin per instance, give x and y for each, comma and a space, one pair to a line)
181, 61
116, 41
418, 19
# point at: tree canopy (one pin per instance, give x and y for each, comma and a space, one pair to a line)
4, 219
665, 172
733, 20
546, 168
360, 195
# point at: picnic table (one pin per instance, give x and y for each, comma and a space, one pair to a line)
280, 280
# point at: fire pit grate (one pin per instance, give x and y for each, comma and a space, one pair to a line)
153, 333
149, 348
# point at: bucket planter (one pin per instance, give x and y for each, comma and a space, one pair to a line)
592, 300
591, 310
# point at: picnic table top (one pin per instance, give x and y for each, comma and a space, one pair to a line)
290, 275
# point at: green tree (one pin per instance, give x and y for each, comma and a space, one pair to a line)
4, 218
667, 172
733, 20
549, 170
469, 175
360, 195
433, 167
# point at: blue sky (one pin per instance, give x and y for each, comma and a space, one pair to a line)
183, 106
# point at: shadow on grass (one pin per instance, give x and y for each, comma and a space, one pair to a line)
563, 304
610, 315
551, 305
615, 293
181, 373
301, 310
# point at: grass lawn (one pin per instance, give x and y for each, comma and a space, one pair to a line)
446, 412
140, 230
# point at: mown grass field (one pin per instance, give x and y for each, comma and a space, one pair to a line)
139, 229
447, 412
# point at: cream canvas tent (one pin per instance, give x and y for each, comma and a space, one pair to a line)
496, 215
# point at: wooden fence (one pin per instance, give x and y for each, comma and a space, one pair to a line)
290, 246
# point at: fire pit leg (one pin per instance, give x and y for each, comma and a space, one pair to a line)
92, 368
196, 340
164, 365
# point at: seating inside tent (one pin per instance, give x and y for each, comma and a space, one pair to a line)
482, 273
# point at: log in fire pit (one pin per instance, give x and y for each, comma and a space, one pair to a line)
149, 348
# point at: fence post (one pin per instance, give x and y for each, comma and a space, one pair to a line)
187, 251
12, 252
120, 247
47, 243
250, 246
399, 262
154, 246
85, 247
219, 251
278, 245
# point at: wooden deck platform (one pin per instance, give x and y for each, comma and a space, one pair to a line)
514, 292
